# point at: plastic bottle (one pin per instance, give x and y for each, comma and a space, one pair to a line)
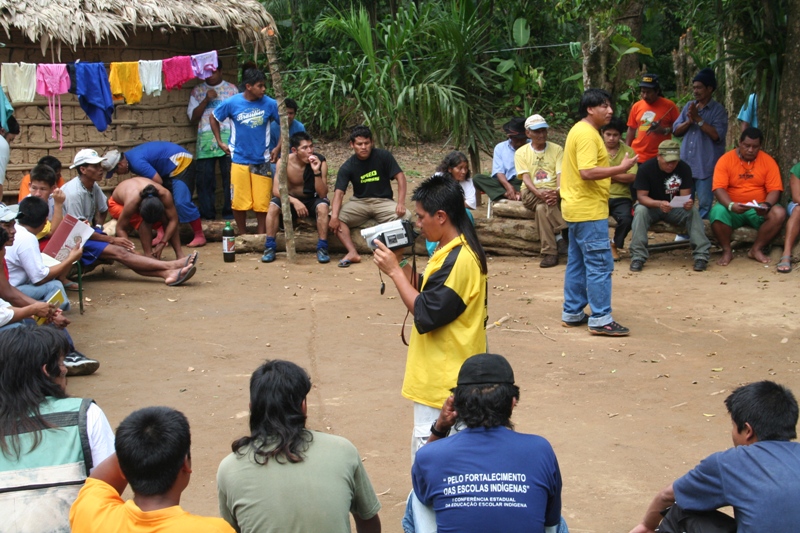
228, 244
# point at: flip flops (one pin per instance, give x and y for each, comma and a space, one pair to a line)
785, 265
345, 263
71, 286
185, 277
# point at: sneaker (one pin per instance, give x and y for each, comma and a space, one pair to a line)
562, 246
269, 255
322, 255
637, 265
612, 329
79, 365
700, 265
681, 238
575, 323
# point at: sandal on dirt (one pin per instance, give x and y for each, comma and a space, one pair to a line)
344, 263
785, 265
71, 286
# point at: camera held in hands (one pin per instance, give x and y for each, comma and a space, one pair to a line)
395, 234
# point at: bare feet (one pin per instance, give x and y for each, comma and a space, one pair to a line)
727, 257
199, 240
179, 276
758, 255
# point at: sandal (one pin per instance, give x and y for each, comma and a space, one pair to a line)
71, 286
785, 265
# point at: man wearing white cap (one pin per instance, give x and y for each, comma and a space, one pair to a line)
538, 164
86, 201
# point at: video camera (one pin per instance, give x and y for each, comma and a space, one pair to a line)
395, 234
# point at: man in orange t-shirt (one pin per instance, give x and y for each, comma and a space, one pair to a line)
650, 119
747, 185
52, 162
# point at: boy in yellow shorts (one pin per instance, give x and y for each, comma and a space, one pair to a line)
251, 178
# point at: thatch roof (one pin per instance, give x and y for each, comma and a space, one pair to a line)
76, 22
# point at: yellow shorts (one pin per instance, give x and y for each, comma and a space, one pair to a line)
251, 187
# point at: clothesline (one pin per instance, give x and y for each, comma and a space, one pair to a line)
97, 89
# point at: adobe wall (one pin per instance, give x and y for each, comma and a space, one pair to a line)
161, 118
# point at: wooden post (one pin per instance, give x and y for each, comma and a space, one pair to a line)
274, 69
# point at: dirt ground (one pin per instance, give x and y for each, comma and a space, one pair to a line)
625, 416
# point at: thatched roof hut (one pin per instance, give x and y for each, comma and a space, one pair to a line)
61, 31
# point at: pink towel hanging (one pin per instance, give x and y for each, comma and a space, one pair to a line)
52, 80
177, 71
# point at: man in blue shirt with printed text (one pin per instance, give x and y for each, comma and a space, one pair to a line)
487, 477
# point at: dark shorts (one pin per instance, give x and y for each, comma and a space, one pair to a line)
92, 250
310, 203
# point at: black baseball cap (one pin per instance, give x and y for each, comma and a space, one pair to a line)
485, 369
649, 80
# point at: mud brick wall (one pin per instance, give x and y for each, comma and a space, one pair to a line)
161, 118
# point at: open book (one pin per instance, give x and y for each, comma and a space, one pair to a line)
71, 233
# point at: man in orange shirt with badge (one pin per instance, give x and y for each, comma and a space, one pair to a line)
650, 120
747, 186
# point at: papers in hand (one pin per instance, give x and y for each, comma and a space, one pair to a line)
678, 201
752, 203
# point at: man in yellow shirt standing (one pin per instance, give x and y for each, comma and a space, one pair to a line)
585, 184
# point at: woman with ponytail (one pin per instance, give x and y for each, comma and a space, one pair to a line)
448, 301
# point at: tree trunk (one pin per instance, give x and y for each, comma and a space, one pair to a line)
595, 59
789, 101
683, 63
277, 84
628, 67
734, 94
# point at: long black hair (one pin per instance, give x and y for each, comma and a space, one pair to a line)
442, 192
26, 353
277, 422
151, 209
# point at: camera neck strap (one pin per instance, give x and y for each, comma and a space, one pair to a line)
414, 283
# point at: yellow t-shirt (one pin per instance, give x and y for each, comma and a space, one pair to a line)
584, 200
543, 167
622, 190
449, 323
100, 509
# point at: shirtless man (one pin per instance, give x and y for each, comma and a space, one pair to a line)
306, 174
140, 203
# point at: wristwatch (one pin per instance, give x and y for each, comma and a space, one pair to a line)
700, 124
437, 433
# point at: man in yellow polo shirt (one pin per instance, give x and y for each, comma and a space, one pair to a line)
585, 185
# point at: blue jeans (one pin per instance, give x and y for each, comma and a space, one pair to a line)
587, 280
703, 195
44, 291
207, 186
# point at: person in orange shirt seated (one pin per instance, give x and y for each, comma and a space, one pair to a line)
50, 161
152, 455
747, 186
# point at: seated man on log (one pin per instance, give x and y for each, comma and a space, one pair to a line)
757, 477
538, 164
144, 205
167, 164
620, 199
306, 180
371, 171
86, 201
747, 185
658, 182
503, 183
